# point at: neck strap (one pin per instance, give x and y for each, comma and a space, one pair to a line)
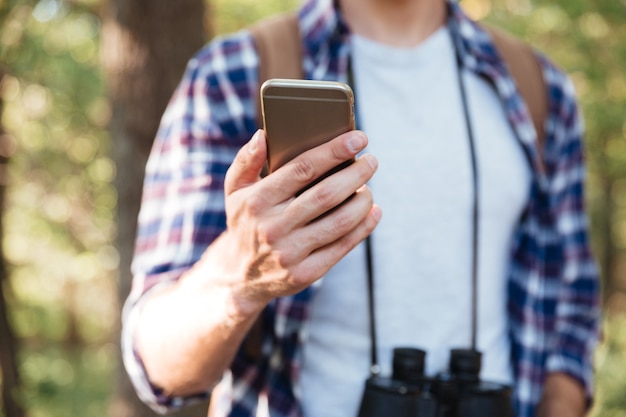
375, 367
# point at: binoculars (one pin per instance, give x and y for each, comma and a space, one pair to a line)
458, 392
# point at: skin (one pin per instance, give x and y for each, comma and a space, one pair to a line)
272, 248
563, 396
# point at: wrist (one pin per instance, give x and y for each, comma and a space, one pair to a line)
221, 280
563, 396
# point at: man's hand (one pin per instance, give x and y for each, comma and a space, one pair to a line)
563, 396
277, 244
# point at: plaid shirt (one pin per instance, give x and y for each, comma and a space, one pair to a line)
553, 283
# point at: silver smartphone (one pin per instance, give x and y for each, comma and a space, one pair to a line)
300, 114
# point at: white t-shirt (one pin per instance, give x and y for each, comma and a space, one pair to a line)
408, 103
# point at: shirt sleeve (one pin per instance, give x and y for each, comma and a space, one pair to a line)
578, 308
210, 116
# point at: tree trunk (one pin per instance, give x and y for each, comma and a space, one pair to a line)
10, 377
146, 45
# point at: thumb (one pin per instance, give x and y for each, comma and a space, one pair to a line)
246, 168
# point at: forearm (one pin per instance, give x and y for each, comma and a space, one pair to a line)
189, 333
563, 396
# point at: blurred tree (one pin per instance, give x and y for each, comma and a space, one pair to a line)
10, 377
145, 47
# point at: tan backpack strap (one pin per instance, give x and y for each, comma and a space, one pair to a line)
528, 75
279, 48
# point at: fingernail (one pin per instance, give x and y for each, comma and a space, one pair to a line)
253, 144
377, 213
356, 142
371, 160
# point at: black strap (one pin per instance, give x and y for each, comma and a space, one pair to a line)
475, 205
375, 367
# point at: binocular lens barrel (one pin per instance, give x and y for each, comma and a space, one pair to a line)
465, 364
408, 364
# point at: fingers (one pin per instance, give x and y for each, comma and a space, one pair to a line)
327, 229
331, 192
311, 253
246, 167
337, 223
294, 176
323, 259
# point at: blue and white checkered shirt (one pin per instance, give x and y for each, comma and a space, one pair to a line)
553, 284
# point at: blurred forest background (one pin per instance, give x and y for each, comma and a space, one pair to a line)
82, 86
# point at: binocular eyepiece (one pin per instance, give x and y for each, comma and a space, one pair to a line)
458, 392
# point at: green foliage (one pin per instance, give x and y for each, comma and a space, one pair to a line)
234, 15
62, 382
59, 218
60, 202
611, 362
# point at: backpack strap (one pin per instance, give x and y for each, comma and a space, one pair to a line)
526, 70
279, 49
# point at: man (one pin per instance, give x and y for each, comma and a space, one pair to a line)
220, 248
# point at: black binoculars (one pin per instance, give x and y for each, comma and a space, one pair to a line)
458, 392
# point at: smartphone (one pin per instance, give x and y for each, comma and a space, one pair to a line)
300, 114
